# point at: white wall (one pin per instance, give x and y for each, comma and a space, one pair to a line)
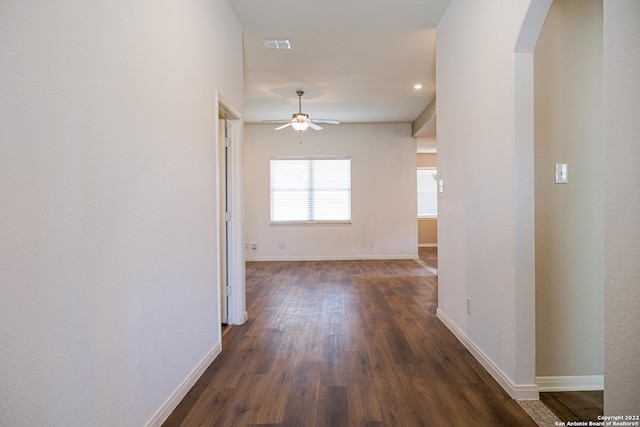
622, 206
476, 107
108, 284
478, 223
383, 180
569, 218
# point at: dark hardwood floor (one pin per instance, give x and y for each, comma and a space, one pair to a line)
430, 258
344, 343
575, 405
567, 405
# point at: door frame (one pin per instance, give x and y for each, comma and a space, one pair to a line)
236, 307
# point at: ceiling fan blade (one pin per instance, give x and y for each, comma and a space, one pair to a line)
283, 126
301, 121
327, 121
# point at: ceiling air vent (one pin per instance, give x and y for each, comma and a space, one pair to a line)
277, 44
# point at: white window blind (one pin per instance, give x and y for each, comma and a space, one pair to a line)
311, 190
427, 193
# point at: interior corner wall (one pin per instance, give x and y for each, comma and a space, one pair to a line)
477, 225
383, 193
622, 205
569, 217
108, 281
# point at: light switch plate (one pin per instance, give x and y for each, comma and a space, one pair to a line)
562, 173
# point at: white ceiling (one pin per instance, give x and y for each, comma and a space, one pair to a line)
356, 60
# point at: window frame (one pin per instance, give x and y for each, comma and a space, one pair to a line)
309, 222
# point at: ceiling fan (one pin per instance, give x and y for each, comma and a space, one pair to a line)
301, 121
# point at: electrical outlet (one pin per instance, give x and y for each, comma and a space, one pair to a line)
371, 244
254, 245
469, 306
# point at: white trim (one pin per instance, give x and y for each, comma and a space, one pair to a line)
571, 383
308, 223
172, 402
516, 391
332, 258
427, 245
237, 301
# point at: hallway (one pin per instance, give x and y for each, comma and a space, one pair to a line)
345, 343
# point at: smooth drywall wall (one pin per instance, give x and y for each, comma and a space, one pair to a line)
427, 144
569, 217
108, 281
622, 206
477, 225
383, 193
427, 160
427, 232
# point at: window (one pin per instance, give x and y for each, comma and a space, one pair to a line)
310, 190
427, 193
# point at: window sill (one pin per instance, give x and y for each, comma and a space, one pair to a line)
307, 223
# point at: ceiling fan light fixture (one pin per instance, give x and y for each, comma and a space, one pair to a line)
301, 121
300, 126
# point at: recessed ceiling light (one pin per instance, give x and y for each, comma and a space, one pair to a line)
277, 44
418, 86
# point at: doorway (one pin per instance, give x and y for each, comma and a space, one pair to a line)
569, 213
224, 139
229, 215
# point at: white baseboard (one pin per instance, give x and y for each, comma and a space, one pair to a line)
516, 391
427, 245
331, 258
240, 320
172, 402
571, 383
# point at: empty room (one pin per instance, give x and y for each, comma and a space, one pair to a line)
364, 213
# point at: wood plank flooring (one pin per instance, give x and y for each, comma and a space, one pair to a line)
429, 256
575, 405
344, 343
